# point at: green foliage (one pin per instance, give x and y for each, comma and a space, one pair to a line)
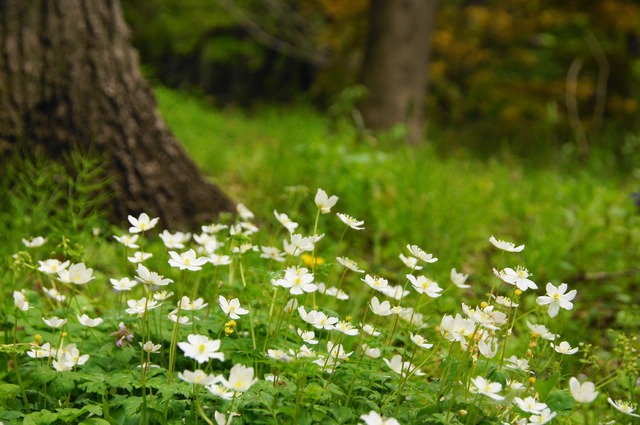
567, 217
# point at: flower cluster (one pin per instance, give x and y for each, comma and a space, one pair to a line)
320, 319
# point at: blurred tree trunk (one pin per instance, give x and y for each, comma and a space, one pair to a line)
70, 78
395, 64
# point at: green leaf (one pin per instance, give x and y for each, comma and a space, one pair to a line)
342, 414
94, 421
62, 385
9, 390
544, 386
559, 400
45, 376
43, 417
68, 414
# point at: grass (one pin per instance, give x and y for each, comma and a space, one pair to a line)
579, 226
570, 213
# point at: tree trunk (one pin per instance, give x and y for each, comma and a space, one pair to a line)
395, 64
69, 77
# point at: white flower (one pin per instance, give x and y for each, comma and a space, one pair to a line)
486, 317
624, 406
219, 260
128, 240
201, 348
373, 353
370, 330
279, 355
395, 292
52, 266
416, 251
209, 243
231, 308
54, 322
35, 242
164, 295
515, 363
518, 277
290, 306
332, 291
89, 322
564, 348
299, 244
152, 278
142, 223
582, 393
479, 385
556, 298
220, 391
424, 285
373, 418
350, 264
272, 253
78, 274
187, 304
141, 306
123, 284
376, 283
213, 228
53, 293
457, 329
351, 222
402, 368
346, 328
420, 341
40, 352
318, 319
459, 279
221, 419
297, 280
68, 357
174, 240
244, 212
543, 417
187, 260
541, 331
285, 221
197, 377
504, 301
410, 261
20, 301
308, 336
505, 246
303, 352
150, 347
139, 257
530, 405
380, 308
324, 202
240, 378
181, 320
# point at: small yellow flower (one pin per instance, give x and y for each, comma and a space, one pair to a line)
228, 330
532, 380
37, 338
309, 260
518, 292
348, 318
484, 304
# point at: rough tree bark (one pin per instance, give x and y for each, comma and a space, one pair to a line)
395, 64
70, 77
